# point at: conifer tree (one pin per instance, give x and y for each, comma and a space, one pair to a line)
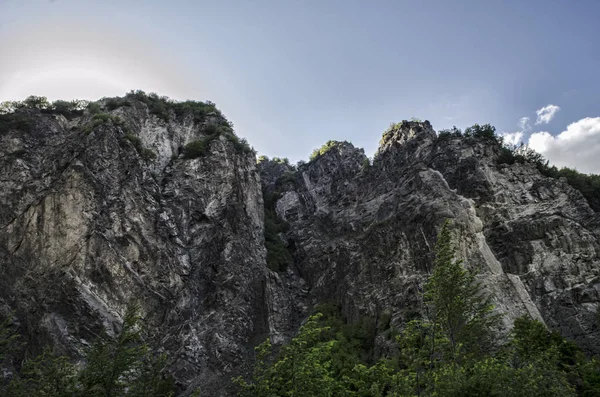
124, 366
46, 375
302, 368
457, 302
7, 337
151, 381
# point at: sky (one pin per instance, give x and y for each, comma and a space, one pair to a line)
293, 74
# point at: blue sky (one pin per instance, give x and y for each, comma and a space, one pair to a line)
293, 74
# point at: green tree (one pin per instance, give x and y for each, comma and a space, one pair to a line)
329, 145
46, 375
123, 366
151, 381
8, 344
302, 368
36, 102
422, 348
457, 303
485, 131
379, 380
8, 337
532, 344
119, 367
7, 107
494, 377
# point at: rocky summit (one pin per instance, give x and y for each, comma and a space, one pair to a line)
166, 206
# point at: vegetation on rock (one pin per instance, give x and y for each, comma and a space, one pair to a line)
278, 160
164, 108
196, 148
145, 153
15, 121
199, 147
100, 119
393, 127
324, 149
587, 184
41, 103
12, 117
454, 350
279, 255
13, 113
123, 366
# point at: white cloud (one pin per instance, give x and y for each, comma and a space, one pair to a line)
577, 147
524, 124
546, 114
512, 138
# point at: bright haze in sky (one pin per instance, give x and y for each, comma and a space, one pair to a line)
294, 74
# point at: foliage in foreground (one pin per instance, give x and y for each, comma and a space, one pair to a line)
122, 366
437, 356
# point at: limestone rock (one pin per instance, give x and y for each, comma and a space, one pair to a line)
87, 225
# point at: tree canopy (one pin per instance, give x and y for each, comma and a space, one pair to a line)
454, 350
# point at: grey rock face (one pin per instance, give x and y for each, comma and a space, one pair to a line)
365, 235
87, 225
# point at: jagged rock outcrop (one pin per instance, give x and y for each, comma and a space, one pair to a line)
87, 225
88, 222
364, 234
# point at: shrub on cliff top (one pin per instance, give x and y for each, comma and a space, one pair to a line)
281, 160
103, 118
199, 147
145, 153
115, 103
394, 126
240, 144
485, 131
15, 121
324, 149
449, 133
588, 185
41, 103
161, 107
196, 148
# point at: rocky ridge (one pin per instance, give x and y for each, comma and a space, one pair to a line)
87, 224
364, 233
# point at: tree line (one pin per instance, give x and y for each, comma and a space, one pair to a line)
456, 350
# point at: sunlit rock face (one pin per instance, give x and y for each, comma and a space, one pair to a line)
87, 225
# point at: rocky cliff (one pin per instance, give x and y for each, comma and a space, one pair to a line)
88, 225
99, 211
364, 232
